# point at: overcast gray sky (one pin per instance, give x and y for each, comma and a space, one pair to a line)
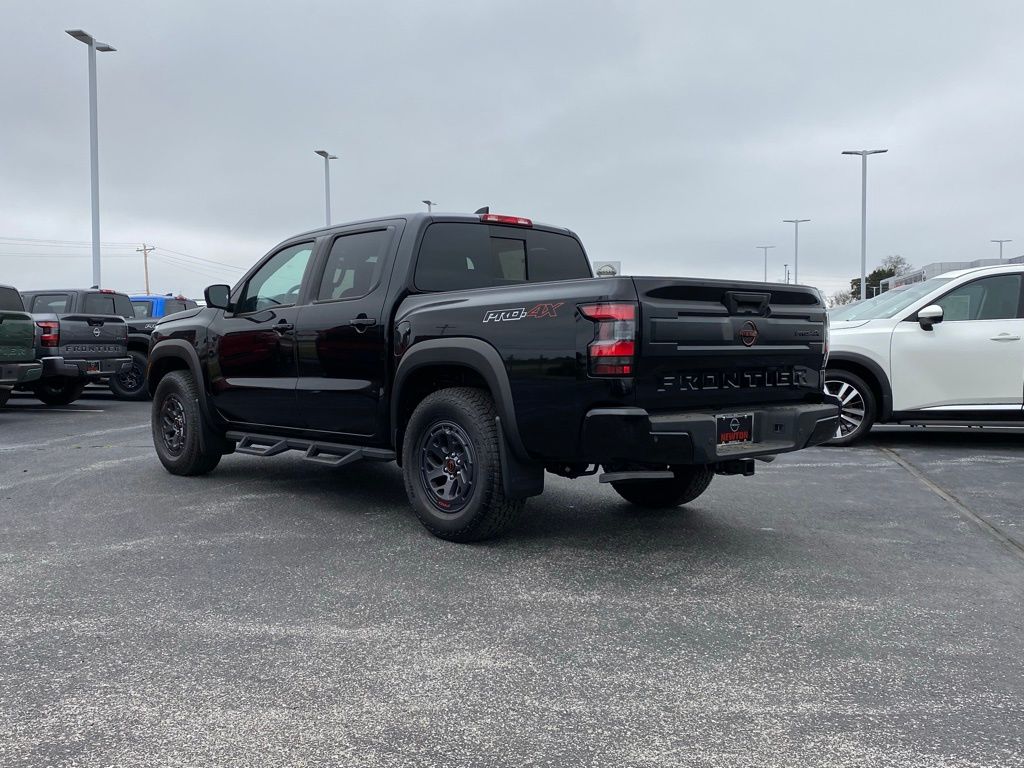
673, 136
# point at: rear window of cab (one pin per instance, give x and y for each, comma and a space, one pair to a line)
455, 255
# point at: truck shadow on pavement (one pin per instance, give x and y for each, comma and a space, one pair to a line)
584, 517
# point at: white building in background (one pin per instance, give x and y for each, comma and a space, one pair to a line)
937, 268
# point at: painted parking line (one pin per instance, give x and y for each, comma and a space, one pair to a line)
979, 522
67, 438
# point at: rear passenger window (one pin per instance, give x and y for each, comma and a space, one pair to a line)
172, 306
354, 265
10, 300
55, 303
454, 256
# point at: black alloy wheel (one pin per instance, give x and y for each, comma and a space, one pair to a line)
447, 466
173, 427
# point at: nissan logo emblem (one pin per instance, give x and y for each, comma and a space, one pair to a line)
749, 334
734, 425
96, 331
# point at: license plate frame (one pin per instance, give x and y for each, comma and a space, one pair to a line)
734, 429
92, 366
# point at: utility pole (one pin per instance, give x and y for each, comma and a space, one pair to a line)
145, 260
430, 205
765, 249
1001, 247
796, 245
785, 273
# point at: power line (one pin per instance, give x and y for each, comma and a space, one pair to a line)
75, 243
197, 258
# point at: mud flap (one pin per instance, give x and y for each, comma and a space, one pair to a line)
520, 479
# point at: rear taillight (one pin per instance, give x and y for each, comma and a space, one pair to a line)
49, 333
613, 349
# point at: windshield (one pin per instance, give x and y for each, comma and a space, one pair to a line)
887, 304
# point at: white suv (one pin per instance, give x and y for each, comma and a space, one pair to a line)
949, 350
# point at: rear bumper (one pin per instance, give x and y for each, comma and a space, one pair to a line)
87, 369
691, 437
12, 374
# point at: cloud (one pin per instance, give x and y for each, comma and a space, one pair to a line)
672, 136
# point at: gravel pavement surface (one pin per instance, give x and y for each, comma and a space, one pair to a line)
833, 610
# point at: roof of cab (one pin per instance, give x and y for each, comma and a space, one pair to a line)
421, 217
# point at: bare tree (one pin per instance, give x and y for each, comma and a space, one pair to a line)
896, 264
839, 298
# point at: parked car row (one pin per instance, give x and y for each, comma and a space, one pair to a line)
56, 342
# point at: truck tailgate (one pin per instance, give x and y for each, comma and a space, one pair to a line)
92, 336
724, 344
17, 337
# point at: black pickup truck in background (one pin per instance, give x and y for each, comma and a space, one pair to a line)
81, 336
479, 352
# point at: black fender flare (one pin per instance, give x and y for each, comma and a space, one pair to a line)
876, 370
476, 355
182, 350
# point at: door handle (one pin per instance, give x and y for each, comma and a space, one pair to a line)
362, 322
282, 327
1004, 337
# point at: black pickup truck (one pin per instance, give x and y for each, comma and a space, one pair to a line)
479, 351
81, 337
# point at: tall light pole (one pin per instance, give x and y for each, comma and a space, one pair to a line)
1001, 246
864, 213
327, 156
430, 205
94, 147
765, 249
796, 245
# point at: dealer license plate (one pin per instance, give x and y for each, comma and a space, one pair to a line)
735, 428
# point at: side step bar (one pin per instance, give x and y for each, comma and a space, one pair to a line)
329, 454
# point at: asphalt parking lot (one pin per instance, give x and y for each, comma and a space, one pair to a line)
856, 606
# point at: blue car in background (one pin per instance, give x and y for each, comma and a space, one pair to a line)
147, 309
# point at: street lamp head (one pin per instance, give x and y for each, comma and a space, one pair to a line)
794, 221
83, 36
864, 152
325, 154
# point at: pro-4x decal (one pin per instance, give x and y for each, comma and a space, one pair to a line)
520, 313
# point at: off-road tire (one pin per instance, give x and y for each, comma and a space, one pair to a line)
138, 372
469, 414
60, 390
184, 442
687, 485
862, 393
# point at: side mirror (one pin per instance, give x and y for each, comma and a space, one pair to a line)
218, 296
929, 316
